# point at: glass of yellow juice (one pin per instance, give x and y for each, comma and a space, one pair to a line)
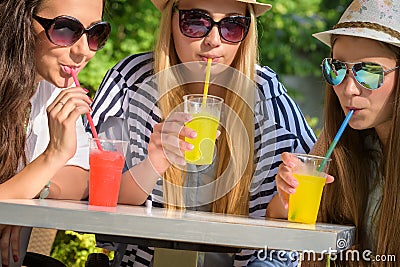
205, 122
304, 203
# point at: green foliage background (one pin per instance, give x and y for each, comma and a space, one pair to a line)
286, 45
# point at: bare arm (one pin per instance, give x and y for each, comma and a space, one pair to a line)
62, 116
166, 146
28, 182
276, 209
71, 182
137, 183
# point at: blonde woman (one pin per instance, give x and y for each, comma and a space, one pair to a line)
130, 104
362, 74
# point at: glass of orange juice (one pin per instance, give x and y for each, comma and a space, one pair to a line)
304, 203
106, 164
205, 122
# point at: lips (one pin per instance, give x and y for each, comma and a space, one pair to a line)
206, 57
68, 69
356, 110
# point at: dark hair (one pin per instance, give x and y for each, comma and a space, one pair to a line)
17, 72
17, 80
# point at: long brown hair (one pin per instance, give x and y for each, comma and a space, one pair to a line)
236, 200
354, 166
17, 72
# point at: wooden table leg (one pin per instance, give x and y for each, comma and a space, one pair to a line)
178, 258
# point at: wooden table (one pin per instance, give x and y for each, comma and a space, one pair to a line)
190, 230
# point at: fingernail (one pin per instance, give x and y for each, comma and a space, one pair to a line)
190, 146
91, 100
193, 134
291, 190
188, 117
86, 90
15, 258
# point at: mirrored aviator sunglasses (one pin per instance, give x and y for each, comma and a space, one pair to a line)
65, 31
195, 23
368, 74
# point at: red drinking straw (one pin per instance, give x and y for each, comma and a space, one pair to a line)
89, 118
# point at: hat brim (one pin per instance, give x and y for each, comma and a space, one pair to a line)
326, 36
259, 8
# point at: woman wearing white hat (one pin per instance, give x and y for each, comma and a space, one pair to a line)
362, 74
193, 31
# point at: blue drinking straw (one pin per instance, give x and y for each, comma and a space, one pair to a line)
336, 139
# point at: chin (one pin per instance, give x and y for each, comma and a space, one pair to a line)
359, 126
62, 82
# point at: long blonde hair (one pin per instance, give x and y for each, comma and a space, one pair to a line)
345, 201
236, 201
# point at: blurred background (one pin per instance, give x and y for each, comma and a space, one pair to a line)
286, 45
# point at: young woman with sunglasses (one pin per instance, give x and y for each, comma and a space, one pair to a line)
192, 32
362, 75
43, 146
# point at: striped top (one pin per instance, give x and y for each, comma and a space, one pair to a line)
125, 104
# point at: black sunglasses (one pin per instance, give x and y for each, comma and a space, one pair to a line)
370, 75
65, 31
197, 24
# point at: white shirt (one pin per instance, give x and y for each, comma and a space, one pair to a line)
38, 136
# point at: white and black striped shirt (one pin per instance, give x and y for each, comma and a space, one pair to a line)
123, 102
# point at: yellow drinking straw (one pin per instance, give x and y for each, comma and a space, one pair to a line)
206, 82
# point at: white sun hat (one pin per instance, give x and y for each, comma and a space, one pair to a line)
374, 19
259, 8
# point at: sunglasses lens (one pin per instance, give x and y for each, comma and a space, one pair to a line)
369, 75
65, 31
333, 71
234, 29
98, 35
194, 24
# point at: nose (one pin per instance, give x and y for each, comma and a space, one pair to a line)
213, 38
350, 85
81, 47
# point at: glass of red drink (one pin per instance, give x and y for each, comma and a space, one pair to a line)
106, 163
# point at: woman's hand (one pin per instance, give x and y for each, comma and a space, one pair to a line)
285, 182
62, 114
167, 145
10, 236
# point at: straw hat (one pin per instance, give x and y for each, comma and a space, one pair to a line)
374, 19
259, 8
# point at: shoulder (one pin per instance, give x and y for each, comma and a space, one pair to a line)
283, 110
129, 71
124, 77
267, 81
134, 64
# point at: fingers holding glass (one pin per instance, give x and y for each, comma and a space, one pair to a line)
167, 145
